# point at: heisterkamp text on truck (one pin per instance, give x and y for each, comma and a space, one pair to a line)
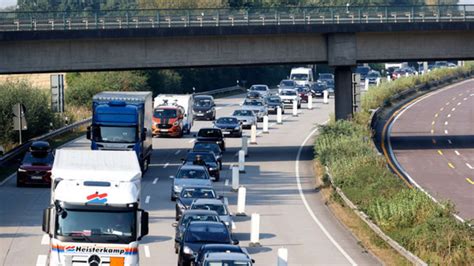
95, 216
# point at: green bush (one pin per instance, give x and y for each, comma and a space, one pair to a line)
408, 216
37, 113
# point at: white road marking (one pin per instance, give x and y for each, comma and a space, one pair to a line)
41, 260
454, 109
445, 131
218, 108
446, 123
450, 142
166, 165
177, 152
449, 115
154, 164
432, 131
447, 103
226, 183
233, 226
259, 133
45, 240
155, 180
457, 153
308, 208
147, 251
191, 141
171, 176
441, 109
465, 99
226, 201
469, 166
147, 200
459, 103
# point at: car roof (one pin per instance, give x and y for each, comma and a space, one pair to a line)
229, 247
199, 187
192, 167
208, 201
206, 223
199, 212
203, 97
231, 117
227, 256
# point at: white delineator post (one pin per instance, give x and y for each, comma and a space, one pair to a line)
282, 257
255, 230
279, 118
325, 96
241, 201
310, 101
245, 141
253, 135
389, 78
295, 108
265, 124
378, 81
235, 178
366, 84
241, 161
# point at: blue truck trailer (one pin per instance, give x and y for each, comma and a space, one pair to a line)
122, 121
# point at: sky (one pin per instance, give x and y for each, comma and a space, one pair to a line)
5, 3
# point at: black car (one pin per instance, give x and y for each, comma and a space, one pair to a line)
230, 126
204, 107
189, 194
35, 168
200, 233
211, 147
209, 160
191, 216
253, 95
273, 102
213, 135
318, 88
209, 248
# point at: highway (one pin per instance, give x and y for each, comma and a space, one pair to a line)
432, 140
280, 185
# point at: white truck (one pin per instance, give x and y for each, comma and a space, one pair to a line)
95, 216
302, 76
184, 100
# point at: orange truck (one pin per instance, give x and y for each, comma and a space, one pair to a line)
168, 121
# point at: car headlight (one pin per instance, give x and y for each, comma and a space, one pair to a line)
237, 128
227, 223
176, 123
177, 188
209, 111
187, 250
21, 170
212, 169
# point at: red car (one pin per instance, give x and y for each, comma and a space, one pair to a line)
168, 121
35, 168
303, 93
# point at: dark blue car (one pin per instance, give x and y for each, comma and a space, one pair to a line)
230, 126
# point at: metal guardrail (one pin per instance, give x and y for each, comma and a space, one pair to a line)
171, 18
22, 148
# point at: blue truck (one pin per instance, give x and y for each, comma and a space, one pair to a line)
122, 121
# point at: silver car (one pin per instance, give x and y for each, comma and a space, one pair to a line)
189, 175
257, 106
263, 90
214, 205
246, 117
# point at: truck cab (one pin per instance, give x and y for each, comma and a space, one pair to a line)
95, 216
122, 121
168, 120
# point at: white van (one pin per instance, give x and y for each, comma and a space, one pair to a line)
302, 76
183, 100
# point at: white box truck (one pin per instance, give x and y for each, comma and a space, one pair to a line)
302, 76
95, 216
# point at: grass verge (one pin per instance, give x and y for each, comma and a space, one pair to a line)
406, 215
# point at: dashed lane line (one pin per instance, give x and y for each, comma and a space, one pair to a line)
155, 180
436, 115
177, 152
459, 103
226, 183
469, 166
446, 123
446, 131
457, 153
166, 165
45, 240
469, 181
147, 199
440, 152
432, 131
433, 122
453, 109
451, 165
146, 248
41, 260
450, 142
449, 115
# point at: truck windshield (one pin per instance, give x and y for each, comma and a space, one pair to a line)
115, 134
299, 77
96, 226
168, 113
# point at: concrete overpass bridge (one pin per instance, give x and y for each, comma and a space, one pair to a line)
138, 39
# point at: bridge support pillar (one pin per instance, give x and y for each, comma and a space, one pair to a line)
343, 92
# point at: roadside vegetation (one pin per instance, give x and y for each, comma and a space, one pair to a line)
407, 215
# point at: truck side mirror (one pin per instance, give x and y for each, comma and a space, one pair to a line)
88, 134
143, 135
46, 220
144, 224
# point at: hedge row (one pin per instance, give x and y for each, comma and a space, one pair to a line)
407, 215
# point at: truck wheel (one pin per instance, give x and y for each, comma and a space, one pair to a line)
145, 164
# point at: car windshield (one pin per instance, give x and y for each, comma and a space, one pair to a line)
207, 193
258, 88
227, 120
254, 103
191, 218
219, 208
115, 134
201, 146
207, 157
325, 76
226, 263
165, 113
203, 103
214, 133
89, 225
40, 158
299, 76
287, 83
289, 93
362, 70
192, 174
210, 233
242, 113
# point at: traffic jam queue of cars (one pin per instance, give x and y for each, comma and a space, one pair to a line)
94, 219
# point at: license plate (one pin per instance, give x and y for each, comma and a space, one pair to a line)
226, 132
36, 177
200, 114
164, 130
288, 101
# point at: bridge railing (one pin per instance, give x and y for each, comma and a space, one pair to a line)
171, 18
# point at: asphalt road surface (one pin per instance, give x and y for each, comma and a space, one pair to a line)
433, 141
279, 179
